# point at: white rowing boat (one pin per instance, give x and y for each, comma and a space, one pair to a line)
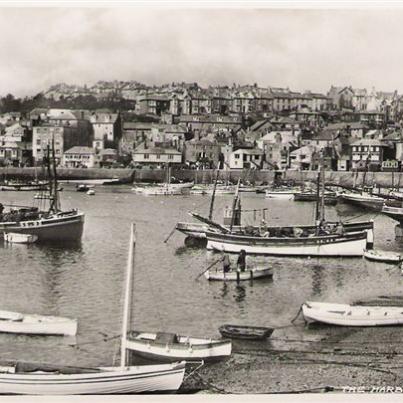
13, 237
170, 347
234, 275
382, 256
15, 322
352, 315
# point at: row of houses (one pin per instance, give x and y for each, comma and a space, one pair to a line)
191, 99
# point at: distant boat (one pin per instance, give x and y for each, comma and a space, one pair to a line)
91, 192
234, 275
352, 315
245, 332
285, 194
19, 238
164, 346
83, 187
383, 256
330, 198
15, 322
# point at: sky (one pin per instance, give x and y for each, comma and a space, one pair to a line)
303, 49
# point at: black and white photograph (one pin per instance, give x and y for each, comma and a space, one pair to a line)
201, 199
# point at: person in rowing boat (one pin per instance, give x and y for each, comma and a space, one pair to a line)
241, 262
226, 264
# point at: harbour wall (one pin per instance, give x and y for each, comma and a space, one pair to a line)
346, 179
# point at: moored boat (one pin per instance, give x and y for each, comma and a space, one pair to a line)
383, 256
245, 332
330, 198
91, 192
396, 213
349, 244
19, 238
165, 346
19, 323
285, 194
363, 199
352, 315
234, 275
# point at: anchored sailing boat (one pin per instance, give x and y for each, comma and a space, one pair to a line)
53, 224
38, 379
319, 240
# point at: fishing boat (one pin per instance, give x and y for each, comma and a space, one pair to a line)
363, 199
234, 275
245, 332
208, 190
19, 238
352, 315
51, 225
383, 256
163, 346
19, 323
349, 244
45, 379
23, 187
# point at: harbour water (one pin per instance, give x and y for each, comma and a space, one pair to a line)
86, 281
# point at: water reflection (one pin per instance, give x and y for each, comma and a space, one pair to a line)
224, 290
317, 279
240, 293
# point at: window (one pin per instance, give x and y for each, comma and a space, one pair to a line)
158, 156
170, 157
146, 156
256, 157
237, 156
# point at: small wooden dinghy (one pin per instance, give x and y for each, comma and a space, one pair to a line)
171, 347
15, 322
245, 332
382, 256
13, 237
352, 315
234, 275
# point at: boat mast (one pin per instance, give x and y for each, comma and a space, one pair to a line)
322, 198
210, 216
234, 205
53, 193
317, 197
128, 294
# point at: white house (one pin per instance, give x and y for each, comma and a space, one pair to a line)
245, 159
156, 155
79, 157
302, 157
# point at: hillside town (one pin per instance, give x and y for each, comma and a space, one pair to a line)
184, 125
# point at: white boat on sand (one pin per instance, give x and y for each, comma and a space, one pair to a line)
352, 315
15, 322
170, 346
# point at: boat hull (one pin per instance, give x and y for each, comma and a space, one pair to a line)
347, 245
373, 203
250, 274
347, 315
196, 349
126, 380
57, 228
40, 325
385, 257
245, 332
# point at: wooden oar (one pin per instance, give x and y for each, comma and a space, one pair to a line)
170, 234
219, 260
